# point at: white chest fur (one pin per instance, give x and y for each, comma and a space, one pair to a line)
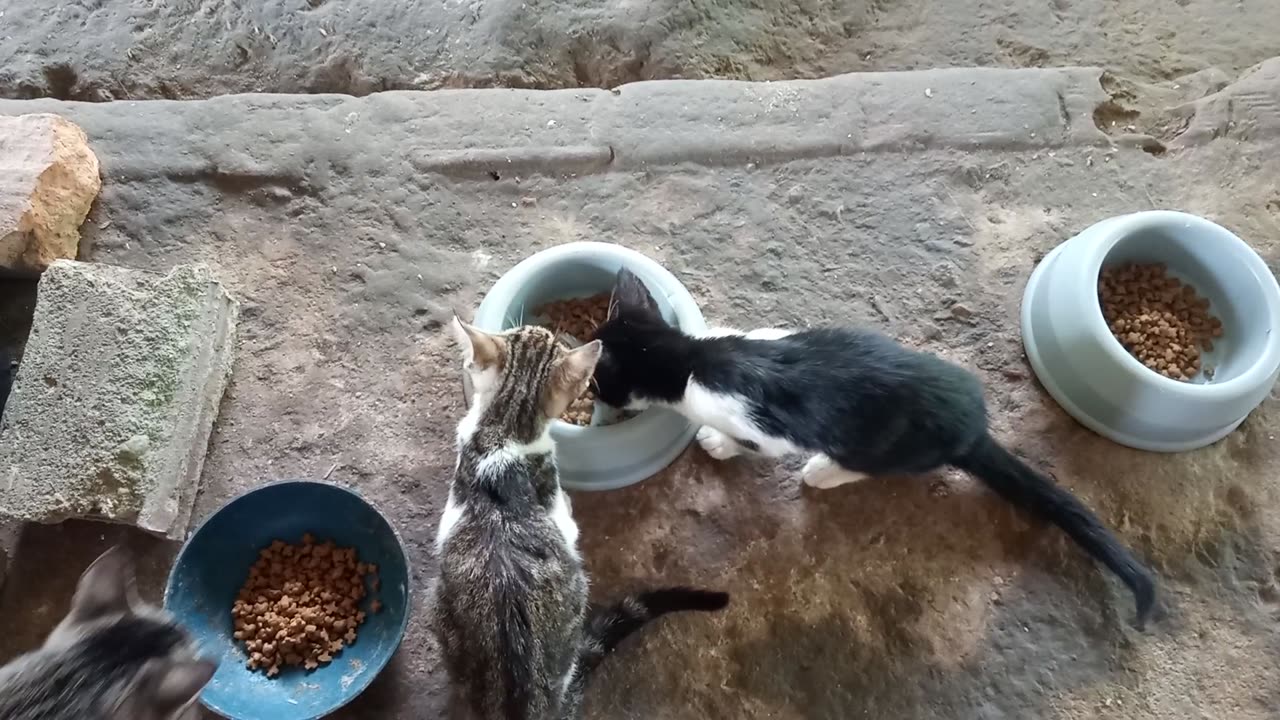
731, 416
728, 416
501, 461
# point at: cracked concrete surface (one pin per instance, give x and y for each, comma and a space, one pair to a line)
141, 49
349, 226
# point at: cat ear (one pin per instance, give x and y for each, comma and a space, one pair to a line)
104, 588
480, 350
631, 295
569, 377
173, 685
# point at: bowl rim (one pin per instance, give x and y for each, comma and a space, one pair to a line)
1120, 228
683, 304
360, 688
1043, 373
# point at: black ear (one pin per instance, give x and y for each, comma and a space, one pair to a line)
631, 296
104, 588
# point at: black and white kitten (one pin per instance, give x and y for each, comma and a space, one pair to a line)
511, 613
111, 658
857, 402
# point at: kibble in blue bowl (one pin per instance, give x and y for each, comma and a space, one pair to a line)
301, 590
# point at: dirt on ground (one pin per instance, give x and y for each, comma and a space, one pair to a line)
133, 49
349, 240
906, 597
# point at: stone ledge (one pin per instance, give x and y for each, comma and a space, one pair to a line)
306, 140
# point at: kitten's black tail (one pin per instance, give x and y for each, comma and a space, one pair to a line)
1022, 486
609, 625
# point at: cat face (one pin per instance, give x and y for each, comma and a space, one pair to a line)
525, 375
628, 370
109, 626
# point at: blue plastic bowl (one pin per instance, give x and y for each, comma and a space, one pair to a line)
215, 562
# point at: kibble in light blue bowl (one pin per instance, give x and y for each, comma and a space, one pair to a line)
215, 562
610, 456
1095, 379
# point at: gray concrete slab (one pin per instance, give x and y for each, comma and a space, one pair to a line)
115, 398
896, 597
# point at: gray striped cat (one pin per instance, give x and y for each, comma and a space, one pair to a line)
111, 658
516, 630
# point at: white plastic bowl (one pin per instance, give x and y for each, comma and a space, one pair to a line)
1100, 384
612, 456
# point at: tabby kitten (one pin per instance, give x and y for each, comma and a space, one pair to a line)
857, 402
511, 613
110, 658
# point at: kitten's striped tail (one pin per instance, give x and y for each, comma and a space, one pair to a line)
609, 625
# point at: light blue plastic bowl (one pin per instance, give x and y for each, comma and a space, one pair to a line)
213, 565
1106, 389
611, 456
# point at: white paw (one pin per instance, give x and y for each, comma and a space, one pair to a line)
717, 444
821, 472
817, 464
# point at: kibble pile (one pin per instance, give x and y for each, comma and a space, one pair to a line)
577, 318
1158, 319
301, 604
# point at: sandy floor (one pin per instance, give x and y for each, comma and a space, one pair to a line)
897, 597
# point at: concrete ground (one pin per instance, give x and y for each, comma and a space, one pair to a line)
348, 227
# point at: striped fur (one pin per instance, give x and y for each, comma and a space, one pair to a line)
511, 610
109, 659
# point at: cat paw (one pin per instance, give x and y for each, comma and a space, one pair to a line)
823, 473
717, 444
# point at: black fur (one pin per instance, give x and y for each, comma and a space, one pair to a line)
856, 396
607, 626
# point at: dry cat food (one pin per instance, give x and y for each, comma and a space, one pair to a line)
579, 411
301, 604
578, 319
1157, 318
